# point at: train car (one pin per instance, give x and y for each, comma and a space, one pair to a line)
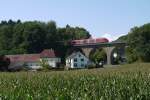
102, 40
89, 41
73, 42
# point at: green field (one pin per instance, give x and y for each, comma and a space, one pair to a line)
126, 82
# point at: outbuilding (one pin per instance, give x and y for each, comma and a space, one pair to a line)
33, 61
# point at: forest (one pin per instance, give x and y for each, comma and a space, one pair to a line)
17, 37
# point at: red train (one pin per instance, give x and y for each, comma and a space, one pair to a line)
89, 41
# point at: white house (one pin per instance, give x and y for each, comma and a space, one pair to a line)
77, 60
33, 61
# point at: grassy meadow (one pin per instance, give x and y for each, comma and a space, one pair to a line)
126, 82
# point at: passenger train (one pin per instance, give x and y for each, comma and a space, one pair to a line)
89, 41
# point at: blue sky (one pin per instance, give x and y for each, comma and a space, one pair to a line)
102, 18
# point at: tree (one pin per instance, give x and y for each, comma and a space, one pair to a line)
98, 56
81, 33
122, 38
44, 64
4, 63
5, 37
138, 40
18, 43
51, 34
131, 55
34, 37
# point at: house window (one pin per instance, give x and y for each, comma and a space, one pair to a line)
82, 59
82, 65
75, 59
79, 55
75, 64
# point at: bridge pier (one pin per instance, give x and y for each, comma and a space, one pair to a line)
108, 51
87, 51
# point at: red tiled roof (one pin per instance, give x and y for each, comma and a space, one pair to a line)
48, 53
32, 57
24, 58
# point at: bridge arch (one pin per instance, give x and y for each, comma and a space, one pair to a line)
117, 55
108, 51
97, 55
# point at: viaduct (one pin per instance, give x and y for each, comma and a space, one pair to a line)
109, 48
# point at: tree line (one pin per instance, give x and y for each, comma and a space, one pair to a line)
18, 37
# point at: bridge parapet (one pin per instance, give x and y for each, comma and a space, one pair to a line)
95, 45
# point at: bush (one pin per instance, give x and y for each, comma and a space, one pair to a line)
91, 66
45, 65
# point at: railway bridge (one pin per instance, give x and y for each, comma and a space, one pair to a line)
109, 47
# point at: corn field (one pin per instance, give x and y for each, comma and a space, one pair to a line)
127, 82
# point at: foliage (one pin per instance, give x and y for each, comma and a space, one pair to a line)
98, 55
122, 83
131, 55
44, 64
138, 40
122, 38
91, 66
4, 63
